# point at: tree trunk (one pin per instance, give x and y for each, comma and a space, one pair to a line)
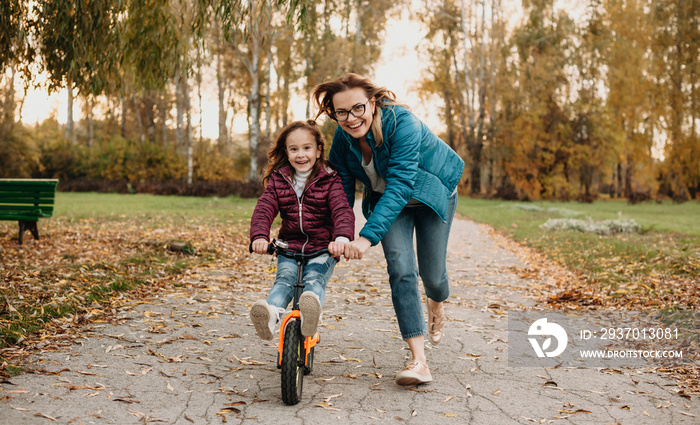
89, 120
164, 119
268, 82
479, 139
221, 90
620, 184
346, 18
467, 79
628, 179
22, 100
8, 108
307, 54
138, 106
199, 94
254, 106
460, 100
149, 108
70, 124
447, 96
276, 116
492, 73
358, 39
180, 110
285, 93
122, 118
188, 133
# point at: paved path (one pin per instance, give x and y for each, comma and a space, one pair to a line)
191, 356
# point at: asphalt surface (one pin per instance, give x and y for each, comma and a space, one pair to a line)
191, 356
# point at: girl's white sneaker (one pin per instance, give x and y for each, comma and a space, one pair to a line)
310, 307
264, 319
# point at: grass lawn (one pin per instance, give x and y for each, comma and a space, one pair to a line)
150, 209
656, 266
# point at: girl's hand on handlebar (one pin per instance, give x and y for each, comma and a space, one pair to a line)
356, 249
259, 246
336, 248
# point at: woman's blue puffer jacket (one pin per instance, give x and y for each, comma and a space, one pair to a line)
412, 159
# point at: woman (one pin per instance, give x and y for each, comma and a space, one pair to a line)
410, 180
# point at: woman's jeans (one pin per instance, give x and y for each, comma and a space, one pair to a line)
431, 242
316, 275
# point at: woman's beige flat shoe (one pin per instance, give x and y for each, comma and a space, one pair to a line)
414, 373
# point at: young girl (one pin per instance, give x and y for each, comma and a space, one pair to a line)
308, 195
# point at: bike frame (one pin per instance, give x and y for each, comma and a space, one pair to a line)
309, 341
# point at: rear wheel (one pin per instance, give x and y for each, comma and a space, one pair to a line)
292, 363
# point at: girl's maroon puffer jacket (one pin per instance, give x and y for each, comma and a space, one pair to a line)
325, 213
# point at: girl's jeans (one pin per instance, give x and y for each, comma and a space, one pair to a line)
316, 274
431, 242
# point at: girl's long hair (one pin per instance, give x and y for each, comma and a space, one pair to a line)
324, 92
277, 155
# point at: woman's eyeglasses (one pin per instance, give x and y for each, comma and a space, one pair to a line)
356, 111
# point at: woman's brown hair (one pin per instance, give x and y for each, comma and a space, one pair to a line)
277, 155
324, 92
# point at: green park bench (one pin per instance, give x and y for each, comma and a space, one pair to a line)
27, 200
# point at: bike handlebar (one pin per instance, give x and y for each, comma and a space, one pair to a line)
280, 248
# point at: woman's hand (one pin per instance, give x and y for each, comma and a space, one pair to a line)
355, 249
260, 246
336, 248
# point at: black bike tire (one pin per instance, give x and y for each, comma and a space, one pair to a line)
310, 366
292, 363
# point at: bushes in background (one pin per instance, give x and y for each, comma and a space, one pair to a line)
116, 164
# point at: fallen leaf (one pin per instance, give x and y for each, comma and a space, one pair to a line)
41, 415
331, 397
123, 400
420, 391
327, 407
249, 362
241, 403
227, 410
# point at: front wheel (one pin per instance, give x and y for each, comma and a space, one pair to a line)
292, 363
310, 366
